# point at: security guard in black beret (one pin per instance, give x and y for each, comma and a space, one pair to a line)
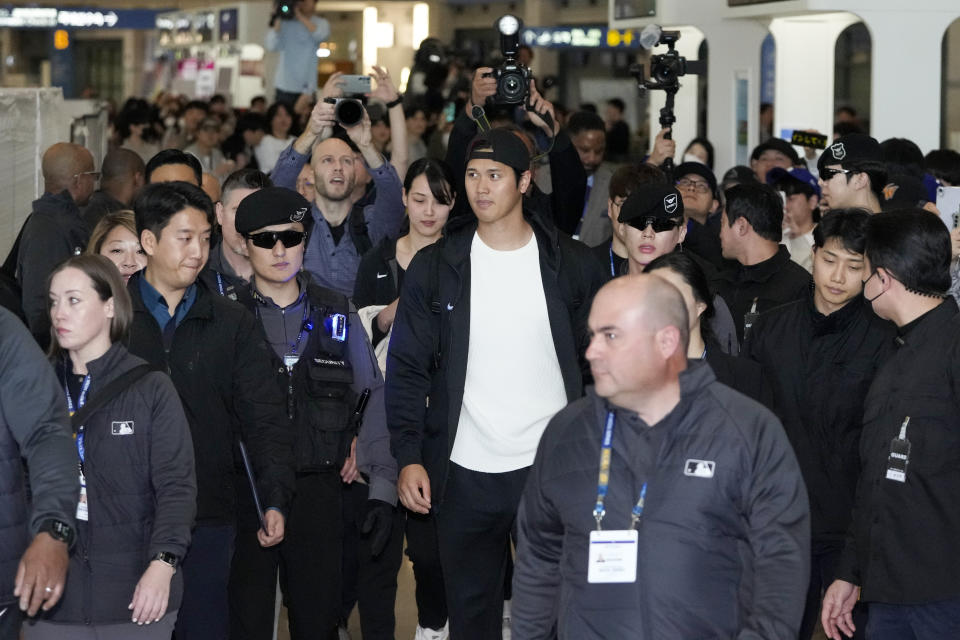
328, 369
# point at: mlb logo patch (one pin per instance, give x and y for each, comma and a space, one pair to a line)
699, 468
122, 428
838, 151
670, 203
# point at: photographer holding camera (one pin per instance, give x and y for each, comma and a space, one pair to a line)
295, 33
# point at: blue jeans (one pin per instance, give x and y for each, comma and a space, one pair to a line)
931, 621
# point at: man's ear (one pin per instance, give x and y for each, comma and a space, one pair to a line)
218, 208
668, 341
148, 242
525, 178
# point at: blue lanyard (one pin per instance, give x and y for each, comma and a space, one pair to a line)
219, 282
613, 271
603, 482
82, 400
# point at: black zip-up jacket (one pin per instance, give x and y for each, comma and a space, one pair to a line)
723, 538
141, 492
440, 273
378, 278
902, 546
820, 368
53, 232
222, 370
34, 429
771, 283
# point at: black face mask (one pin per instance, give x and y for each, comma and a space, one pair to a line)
865, 289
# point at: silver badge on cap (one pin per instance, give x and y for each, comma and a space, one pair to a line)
839, 151
670, 203
297, 215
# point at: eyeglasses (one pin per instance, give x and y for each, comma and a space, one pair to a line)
694, 185
659, 224
94, 174
268, 239
827, 174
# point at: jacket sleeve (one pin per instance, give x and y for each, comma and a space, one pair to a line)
536, 576
569, 180
33, 408
288, 167
385, 216
42, 248
373, 442
364, 287
778, 520
258, 403
409, 361
460, 136
171, 471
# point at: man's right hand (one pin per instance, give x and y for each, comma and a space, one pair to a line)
837, 612
413, 488
482, 87
319, 127
41, 574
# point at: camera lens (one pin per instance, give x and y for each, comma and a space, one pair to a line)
349, 112
511, 87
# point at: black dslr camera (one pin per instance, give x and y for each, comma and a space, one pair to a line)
282, 10
513, 78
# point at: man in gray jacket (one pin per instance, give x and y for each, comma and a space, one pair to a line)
34, 427
688, 518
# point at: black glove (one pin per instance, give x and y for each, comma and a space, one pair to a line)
377, 524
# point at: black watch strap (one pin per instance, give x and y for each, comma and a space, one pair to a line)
395, 101
59, 530
167, 558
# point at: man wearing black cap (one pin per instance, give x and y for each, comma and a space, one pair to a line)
326, 362
698, 186
651, 220
772, 153
218, 360
852, 174
764, 276
487, 345
801, 198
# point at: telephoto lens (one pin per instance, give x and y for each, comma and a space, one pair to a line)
349, 112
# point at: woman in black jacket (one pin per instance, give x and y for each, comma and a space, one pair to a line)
135, 463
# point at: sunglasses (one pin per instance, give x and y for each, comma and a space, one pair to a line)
659, 224
827, 174
268, 239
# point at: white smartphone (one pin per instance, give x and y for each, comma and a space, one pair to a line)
948, 203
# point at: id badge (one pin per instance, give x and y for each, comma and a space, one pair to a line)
898, 460
82, 509
613, 556
290, 359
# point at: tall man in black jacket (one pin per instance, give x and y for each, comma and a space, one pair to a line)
219, 363
820, 354
664, 504
901, 554
491, 329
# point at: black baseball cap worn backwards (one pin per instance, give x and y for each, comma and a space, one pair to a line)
269, 206
500, 145
651, 201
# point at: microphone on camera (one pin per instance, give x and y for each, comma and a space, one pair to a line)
650, 36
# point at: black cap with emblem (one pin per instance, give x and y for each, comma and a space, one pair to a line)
270, 206
853, 147
651, 201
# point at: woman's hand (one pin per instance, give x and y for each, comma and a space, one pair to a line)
152, 593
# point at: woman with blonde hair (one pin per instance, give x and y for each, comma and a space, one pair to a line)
115, 237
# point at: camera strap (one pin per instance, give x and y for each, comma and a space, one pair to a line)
480, 117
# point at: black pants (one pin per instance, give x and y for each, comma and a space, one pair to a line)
10, 621
474, 524
424, 554
308, 560
823, 570
204, 612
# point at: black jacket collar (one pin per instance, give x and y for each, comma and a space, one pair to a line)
929, 324
837, 321
760, 272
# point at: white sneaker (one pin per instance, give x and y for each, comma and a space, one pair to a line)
343, 634
433, 634
506, 620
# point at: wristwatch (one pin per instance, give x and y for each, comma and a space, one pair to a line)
58, 530
167, 558
395, 101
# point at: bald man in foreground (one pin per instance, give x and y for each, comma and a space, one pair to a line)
663, 504
55, 229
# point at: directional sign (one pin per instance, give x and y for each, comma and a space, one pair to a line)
590, 37
77, 18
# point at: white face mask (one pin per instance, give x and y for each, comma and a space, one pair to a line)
689, 157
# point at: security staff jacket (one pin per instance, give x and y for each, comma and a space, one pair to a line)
427, 360
902, 546
820, 368
723, 548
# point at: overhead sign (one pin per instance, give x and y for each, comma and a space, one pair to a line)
77, 18
588, 37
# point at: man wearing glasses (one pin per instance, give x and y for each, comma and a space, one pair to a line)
55, 229
852, 174
698, 187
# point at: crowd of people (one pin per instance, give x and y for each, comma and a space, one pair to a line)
590, 399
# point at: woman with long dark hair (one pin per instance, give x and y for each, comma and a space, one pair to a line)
279, 124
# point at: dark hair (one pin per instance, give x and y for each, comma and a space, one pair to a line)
251, 122
845, 108
157, 203
944, 165
174, 156
902, 156
849, 226
618, 103
133, 112
687, 268
841, 129
628, 177
759, 205
256, 99
410, 109
272, 112
108, 283
439, 178
876, 172
707, 145
218, 98
589, 107
196, 104
585, 121
914, 246
244, 179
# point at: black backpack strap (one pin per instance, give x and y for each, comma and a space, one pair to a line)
9, 267
109, 392
358, 230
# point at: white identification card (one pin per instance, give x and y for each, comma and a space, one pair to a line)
82, 512
613, 556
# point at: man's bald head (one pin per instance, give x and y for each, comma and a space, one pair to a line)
656, 302
61, 163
